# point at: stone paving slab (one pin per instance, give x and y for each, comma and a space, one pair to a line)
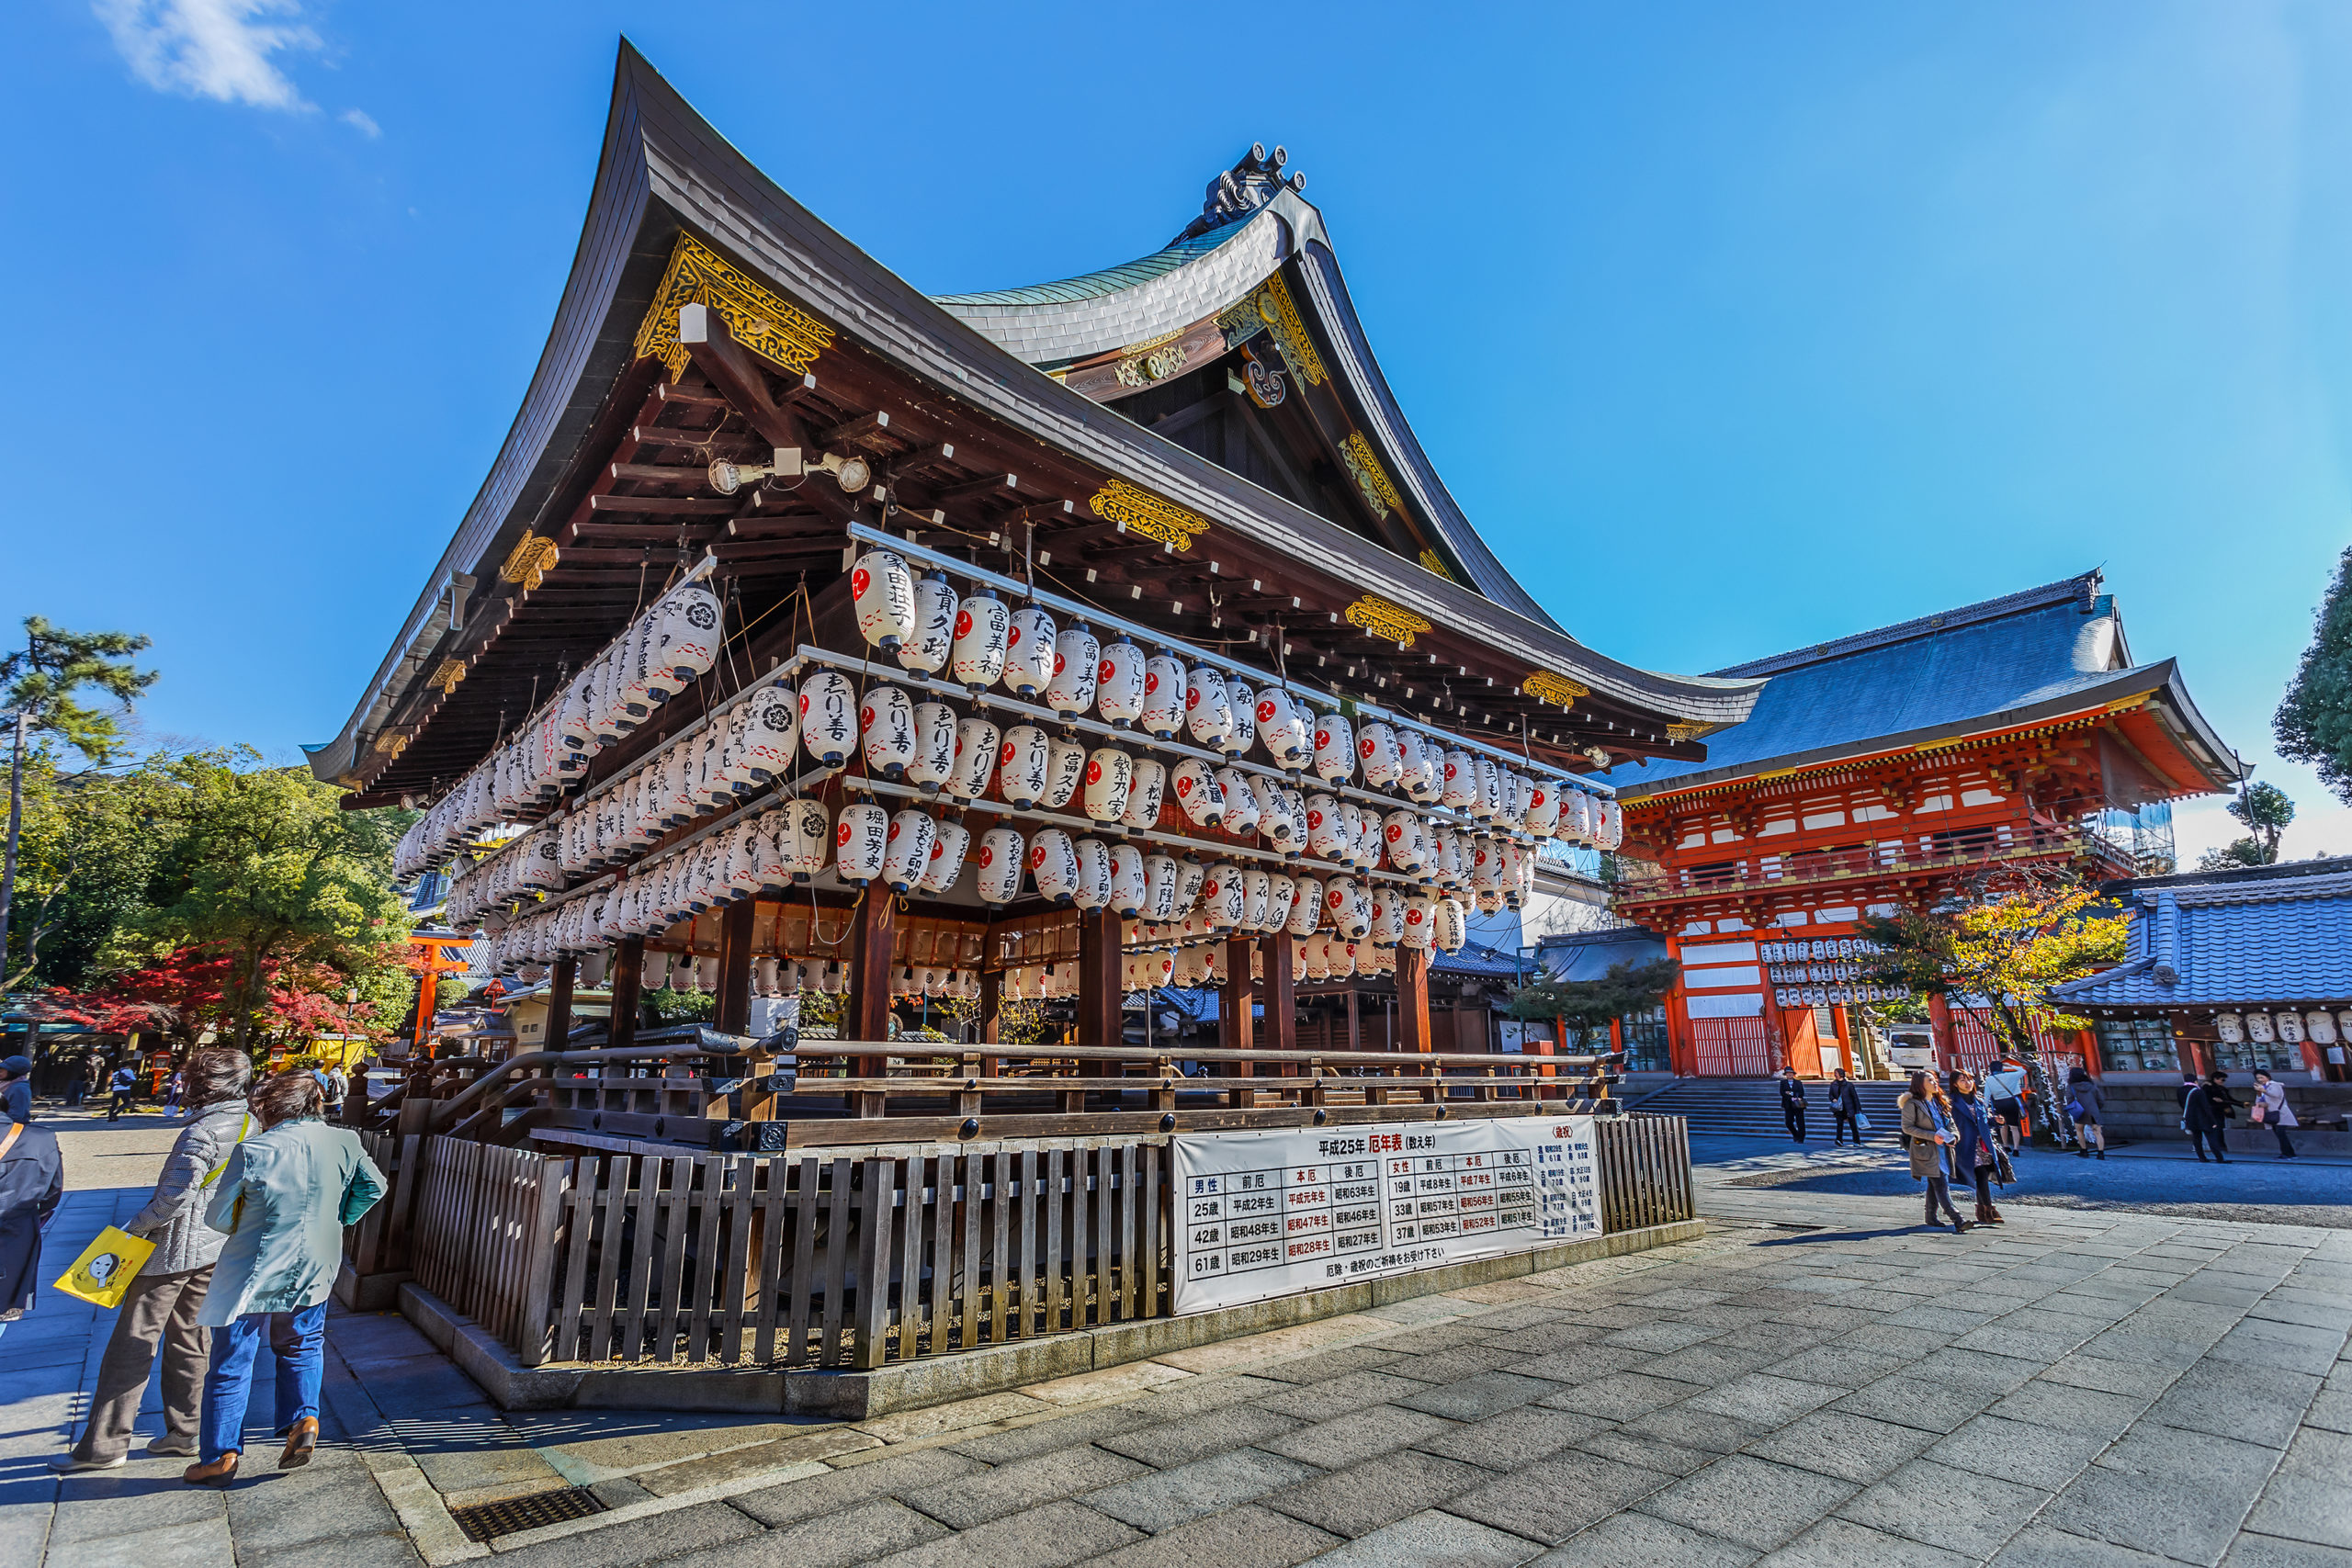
1816, 1381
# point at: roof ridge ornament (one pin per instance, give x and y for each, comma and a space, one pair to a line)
758, 317
1242, 189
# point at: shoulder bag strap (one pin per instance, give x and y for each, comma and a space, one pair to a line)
242, 1130
16, 1129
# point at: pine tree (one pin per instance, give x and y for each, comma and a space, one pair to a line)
2314, 724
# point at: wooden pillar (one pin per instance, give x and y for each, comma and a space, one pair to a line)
1099, 993
560, 1004
1235, 999
1282, 995
1355, 1023
628, 983
732, 1015
873, 928
1413, 999
991, 1019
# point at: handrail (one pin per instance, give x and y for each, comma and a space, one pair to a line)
445, 1112
1888, 857
830, 1048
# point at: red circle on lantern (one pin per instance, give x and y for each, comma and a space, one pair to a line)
1104, 673
1322, 740
1037, 856
1150, 683
1094, 771
1364, 748
987, 857
1006, 754
1058, 662
894, 830
1395, 833
840, 834
1412, 917
963, 623
1266, 711
1192, 699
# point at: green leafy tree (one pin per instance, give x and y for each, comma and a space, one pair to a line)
87, 852
1997, 951
1626, 990
2265, 809
2313, 724
264, 864
43, 683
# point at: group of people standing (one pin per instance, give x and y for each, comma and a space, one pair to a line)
247, 1222
1951, 1131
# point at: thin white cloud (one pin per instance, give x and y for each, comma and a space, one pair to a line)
363, 122
211, 48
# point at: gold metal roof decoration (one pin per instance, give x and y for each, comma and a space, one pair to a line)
1275, 308
1371, 480
1145, 513
1387, 621
1686, 732
1432, 561
533, 557
1546, 686
447, 677
758, 319
391, 743
1154, 359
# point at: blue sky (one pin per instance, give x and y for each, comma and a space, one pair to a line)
1733, 327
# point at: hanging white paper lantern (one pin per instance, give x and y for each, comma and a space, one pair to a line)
1159, 968
772, 731
1209, 712
1240, 802
1323, 837
1163, 694
1295, 807
1159, 878
1407, 840
976, 743
887, 718
1067, 770
934, 757
861, 836
1029, 651
1197, 795
1376, 749
947, 851
1130, 887
1420, 922
1118, 690
1306, 907
934, 631
1335, 748
1349, 910
1109, 773
981, 622
1224, 896
2291, 1028
1145, 791
1282, 728
1024, 766
1077, 651
1053, 863
1190, 875
1611, 834
1094, 888
1446, 858
1452, 926
883, 590
1350, 851
1542, 818
1273, 813
1421, 766
1460, 773
907, 856
1282, 892
2321, 1028
828, 719
1489, 902
1479, 866
1255, 886
1298, 961
1387, 915
1241, 702
2258, 1028
1318, 958
1485, 778
1001, 857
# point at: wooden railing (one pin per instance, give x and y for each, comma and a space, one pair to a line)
1643, 882
851, 1257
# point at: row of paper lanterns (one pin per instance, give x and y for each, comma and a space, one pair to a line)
1834, 996
2321, 1028
662, 653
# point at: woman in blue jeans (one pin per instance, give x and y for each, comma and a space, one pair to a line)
283, 1200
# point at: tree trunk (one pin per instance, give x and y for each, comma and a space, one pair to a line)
2008, 1025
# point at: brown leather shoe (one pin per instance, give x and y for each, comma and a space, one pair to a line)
219, 1473
301, 1442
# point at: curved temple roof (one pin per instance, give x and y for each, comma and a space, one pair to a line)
665, 172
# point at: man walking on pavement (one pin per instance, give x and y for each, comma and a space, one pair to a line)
1845, 1109
2206, 1115
1792, 1103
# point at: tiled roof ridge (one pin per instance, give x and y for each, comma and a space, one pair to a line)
2082, 588
1108, 279
2327, 885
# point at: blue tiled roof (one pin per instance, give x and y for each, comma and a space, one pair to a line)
1587, 955
1480, 962
2013, 652
2233, 940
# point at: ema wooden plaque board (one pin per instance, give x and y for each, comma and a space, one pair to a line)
1270, 1214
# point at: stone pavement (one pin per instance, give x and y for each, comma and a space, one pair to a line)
1813, 1384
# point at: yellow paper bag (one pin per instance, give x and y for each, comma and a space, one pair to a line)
103, 1271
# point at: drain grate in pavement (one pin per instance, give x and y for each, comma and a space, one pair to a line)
482, 1521
1787, 1225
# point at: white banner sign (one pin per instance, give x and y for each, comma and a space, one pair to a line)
1275, 1213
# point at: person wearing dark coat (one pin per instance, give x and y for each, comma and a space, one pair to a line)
17, 1090
2206, 1114
32, 1182
1973, 1157
1846, 1107
1792, 1103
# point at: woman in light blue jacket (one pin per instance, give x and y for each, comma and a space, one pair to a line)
288, 1192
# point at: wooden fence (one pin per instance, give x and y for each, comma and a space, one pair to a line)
849, 1257
1645, 1171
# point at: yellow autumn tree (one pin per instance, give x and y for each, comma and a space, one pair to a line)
1997, 951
